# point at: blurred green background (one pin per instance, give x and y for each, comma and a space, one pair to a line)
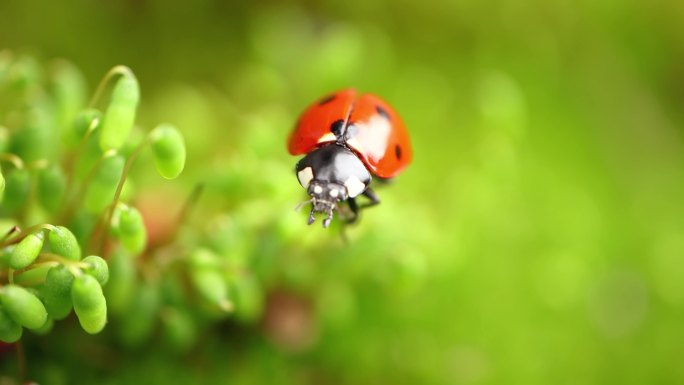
543, 211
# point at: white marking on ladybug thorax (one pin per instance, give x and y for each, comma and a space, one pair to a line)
305, 176
372, 137
354, 187
329, 137
318, 189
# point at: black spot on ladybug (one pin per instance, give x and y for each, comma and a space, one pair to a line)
397, 152
326, 100
382, 112
337, 127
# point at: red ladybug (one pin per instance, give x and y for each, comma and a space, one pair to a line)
347, 137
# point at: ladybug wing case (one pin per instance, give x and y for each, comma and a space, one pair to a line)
378, 135
320, 120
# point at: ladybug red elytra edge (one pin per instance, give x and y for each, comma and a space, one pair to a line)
348, 138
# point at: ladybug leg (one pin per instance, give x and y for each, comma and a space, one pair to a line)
353, 213
374, 199
355, 208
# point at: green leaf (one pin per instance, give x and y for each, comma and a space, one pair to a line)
69, 89
17, 187
212, 287
120, 114
97, 267
168, 147
84, 120
23, 306
51, 185
89, 303
10, 331
56, 292
26, 251
63, 242
129, 227
103, 186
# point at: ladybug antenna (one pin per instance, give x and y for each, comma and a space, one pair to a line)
300, 205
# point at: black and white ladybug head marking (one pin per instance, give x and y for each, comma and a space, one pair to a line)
331, 174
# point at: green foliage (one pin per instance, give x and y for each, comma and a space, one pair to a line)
63, 242
89, 303
40, 284
128, 226
26, 251
119, 116
51, 182
97, 267
169, 150
535, 238
10, 331
105, 181
56, 292
23, 306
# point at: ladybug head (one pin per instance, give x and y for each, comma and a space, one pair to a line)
331, 174
324, 199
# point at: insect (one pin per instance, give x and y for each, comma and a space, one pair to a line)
348, 138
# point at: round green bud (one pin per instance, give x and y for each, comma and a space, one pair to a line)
104, 183
204, 258
36, 137
129, 226
10, 331
5, 254
25, 73
120, 114
17, 188
212, 287
122, 282
46, 328
51, 185
97, 267
84, 121
89, 303
136, 330
26, 251
23, 306
56, 292
68, 87
63, 242
180, 331
168, 147
249, 298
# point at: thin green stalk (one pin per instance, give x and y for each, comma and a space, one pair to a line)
12, 158
71, 171
117, 70
100, 234
68, 212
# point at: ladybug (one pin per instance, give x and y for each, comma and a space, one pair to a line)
348, 138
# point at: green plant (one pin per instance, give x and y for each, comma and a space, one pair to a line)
66, 169
102, 250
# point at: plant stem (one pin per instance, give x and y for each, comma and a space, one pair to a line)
117, 70
9, 233
101, 232
12, 158
22, 234
71, 168
21, 362
68, 212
